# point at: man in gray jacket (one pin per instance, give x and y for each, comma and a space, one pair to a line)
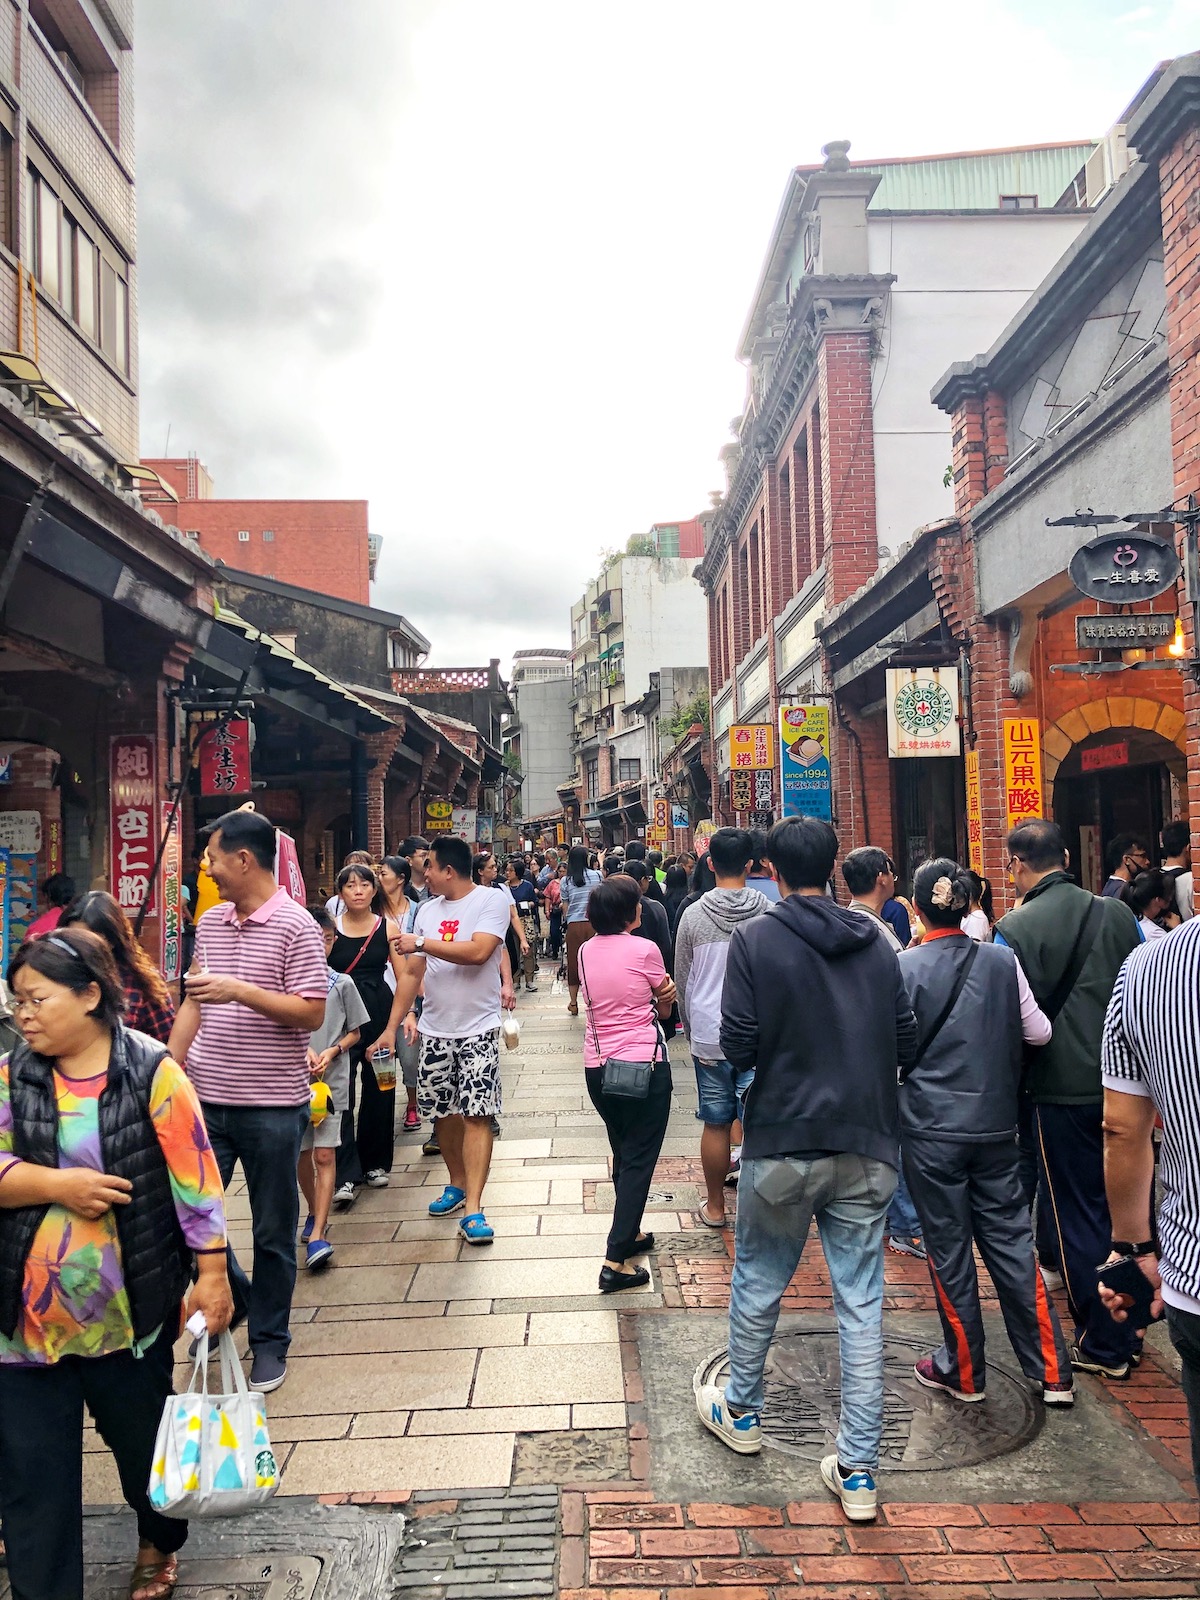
701, 950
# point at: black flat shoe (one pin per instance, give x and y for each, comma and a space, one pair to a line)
642, 1246
611, 1281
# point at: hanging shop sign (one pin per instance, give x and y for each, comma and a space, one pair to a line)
1122, 567
805, 779
133, 821
1022, 769
172, 894
679, 816
741, 791
21, 831
702, 834
1139, 630
974, 813
1102, 756
764, 794
224, 756
751, 746
439, 816
483, 827
54, 845
922, 711
662, 816
463, 822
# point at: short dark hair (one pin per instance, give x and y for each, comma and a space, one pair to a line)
322, 919
1122, 845
76, 958
412, 844
862, 867
612, 905
450, 851
637, 870
635, 850
358, 869
59, 889
925, 881
1176, 836
358, 858
401, 866
802, 850
477, 865
654, 857
758, 847
613, 864
731, 850
245, 830
677, 880
1039, 843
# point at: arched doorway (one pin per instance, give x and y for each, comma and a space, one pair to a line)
1117, 766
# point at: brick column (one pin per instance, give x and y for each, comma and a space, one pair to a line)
381, 747
848, 463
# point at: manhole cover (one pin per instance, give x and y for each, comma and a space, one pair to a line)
264, 1577
599, 1455
922, 1430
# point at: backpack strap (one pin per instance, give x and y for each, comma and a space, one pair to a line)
1080, 951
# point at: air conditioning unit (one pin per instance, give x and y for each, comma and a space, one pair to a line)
1107, 164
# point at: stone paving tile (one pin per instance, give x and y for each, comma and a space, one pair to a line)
355, 1286
412, 1333
401, 1253
441, 1462
484, 1418
573, 1327
548, 1375
480, 1276
433, 1380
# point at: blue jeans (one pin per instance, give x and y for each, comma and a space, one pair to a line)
902, 1218
266, 1140
778, 1198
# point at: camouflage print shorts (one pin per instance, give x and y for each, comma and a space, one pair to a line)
460, 1077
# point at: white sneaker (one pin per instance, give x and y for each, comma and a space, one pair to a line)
377, 1178
345, 1195
859, 1497
742, 1434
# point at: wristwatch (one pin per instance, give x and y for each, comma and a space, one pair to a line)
1123, 1247
419, 945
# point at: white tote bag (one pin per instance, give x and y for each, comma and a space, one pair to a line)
212, 1456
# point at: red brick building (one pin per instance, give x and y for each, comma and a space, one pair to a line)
322, 545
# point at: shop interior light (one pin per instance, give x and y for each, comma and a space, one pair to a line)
1177, 647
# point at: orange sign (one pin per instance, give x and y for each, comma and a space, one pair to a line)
751, 746
1022, 769
974, 813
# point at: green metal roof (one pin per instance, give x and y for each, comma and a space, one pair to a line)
975, 182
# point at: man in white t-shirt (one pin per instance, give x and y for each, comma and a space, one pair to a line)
455, 946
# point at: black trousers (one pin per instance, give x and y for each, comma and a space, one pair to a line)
636, 1129
1070, 1149
1184, 1328
970, 1193
372, 1147
41, 1461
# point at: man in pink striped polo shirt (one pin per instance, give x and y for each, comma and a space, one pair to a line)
255, 992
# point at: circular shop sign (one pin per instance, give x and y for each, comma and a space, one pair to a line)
1120, 568
923, 708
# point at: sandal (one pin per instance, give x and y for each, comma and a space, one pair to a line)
157, 1578
708, 1221
476, 1229
573, 1008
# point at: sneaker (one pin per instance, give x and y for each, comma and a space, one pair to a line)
901, 1245
306, 1230
412, 1120
345, 1195
1082, 1363
926, 1374
267, 1371
377, 1178
859, 1497
495, 1126
742, 1434
734, 1173
1058, 1394
319, 1253
450, 1199
1053, 1280
431, 1147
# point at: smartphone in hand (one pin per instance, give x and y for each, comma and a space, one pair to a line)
1124, 1276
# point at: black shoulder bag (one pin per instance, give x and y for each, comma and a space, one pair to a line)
943, 1015
626, 1080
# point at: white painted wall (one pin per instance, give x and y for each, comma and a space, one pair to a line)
665, 619
959, 281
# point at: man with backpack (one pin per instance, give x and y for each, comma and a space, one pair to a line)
1070, 945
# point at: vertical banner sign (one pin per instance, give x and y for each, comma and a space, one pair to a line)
54, 846
751, 746
225, 758
6, 946
133, 817
560, 833
805, 780
172, 894
662, 816
763, 790
974, 814
1022, 769
741, 791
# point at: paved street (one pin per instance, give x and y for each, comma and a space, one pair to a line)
540, 1440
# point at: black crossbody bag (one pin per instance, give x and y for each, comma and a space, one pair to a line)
943, 1015
626, 1080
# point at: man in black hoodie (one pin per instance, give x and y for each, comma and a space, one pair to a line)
815, 1003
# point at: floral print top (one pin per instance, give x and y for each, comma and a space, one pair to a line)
74, 1301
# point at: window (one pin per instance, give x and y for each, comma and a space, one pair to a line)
591, 771
628, 771
89, 284
268, 535
81, 53
243, 536
1018, 202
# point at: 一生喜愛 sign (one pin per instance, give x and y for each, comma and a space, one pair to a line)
922, 711
1122, 567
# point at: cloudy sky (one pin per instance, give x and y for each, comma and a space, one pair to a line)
485, 264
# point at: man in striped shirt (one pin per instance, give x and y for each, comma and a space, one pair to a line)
255, 993
1150, 1059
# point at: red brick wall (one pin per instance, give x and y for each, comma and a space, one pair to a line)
319, 544
848, 463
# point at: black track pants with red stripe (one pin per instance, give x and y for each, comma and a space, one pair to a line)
969, 1193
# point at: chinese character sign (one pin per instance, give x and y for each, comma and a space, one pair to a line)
974, 813
805, 778
1022, 769
741, 790
662, 816
133, 816
751, 746
225, 758
172, 893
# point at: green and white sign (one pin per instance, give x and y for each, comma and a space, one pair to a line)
922, 711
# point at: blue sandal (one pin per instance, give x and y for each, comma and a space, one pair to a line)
476, 1229
450, 1199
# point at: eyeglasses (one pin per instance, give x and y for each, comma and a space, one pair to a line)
1013, 862
20, 1007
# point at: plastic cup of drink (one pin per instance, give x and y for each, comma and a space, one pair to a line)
384, 1063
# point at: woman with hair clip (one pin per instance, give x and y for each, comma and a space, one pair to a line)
363, 951
148, 1004
1151, 898
958, 1140
110, 1199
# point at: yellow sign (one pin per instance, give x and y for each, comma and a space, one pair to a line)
751, 746
662, 816
561, 833
1022, 769
439, 816
974, 814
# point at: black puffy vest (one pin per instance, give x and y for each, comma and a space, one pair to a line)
155, 1260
